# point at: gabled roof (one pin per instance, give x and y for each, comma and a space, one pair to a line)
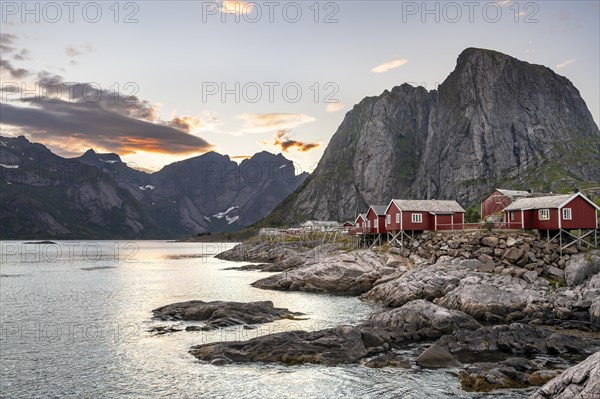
362, 216
434, 206
547, 202
378, 209
513, 193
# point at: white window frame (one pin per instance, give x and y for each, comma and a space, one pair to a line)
544, 214
417, 218
567, 214
368, 223
397, 218
388, 219
376, 223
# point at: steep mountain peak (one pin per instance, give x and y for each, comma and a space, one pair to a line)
494, 121
92, 156
266, 156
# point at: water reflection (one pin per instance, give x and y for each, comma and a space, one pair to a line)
76, 325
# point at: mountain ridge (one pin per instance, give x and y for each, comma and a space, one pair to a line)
97, 195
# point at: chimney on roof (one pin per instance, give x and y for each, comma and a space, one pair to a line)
530, 190
576, 190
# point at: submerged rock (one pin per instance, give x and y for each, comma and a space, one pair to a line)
339, 345
510, 373
581, 381
388, 360
223, 314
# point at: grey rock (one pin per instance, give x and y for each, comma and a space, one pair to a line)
436, 357
513, 254
489, 241
516, 338
340, 345
529, 276
223, 314
581, 267
341, 273
580, 381
419, 320
594, 312
555, 272
511, 373
490, 299
425, 282
388, 360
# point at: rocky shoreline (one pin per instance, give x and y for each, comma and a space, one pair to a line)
506, 310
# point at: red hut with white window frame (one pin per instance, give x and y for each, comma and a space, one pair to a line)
553, 212
405, 217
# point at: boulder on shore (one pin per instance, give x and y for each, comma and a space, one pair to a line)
350, 273
429, 282
417, 320
581, 381
581, 267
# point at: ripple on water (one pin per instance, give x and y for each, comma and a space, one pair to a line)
85, 333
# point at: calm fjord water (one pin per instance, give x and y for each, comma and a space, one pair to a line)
75, 319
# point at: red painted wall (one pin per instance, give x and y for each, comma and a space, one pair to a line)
392, 211
458, 218
536, 223
444, 222
494, 203
371, 216
409, 225
583, 215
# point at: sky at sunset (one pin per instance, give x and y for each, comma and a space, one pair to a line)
159, 81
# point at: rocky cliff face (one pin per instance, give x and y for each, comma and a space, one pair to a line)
495, 121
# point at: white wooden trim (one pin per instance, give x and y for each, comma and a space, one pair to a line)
522, 219
558, 213
401, 222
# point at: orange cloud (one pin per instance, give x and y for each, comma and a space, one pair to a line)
282, 141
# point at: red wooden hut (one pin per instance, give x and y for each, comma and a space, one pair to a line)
499, 199
553, 212
361, 220
420, 215
376, 220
